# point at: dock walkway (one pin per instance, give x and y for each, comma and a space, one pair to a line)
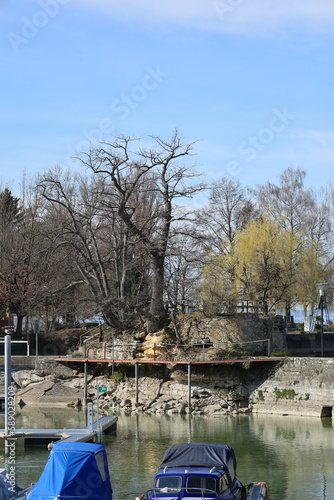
46, 436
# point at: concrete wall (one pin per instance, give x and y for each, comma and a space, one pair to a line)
297, 386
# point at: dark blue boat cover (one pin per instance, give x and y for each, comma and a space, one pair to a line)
74, 471
198, 455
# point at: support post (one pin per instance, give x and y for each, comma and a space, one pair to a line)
98, 427
85, 381
189, 386
113, 355
322, 326
136, 381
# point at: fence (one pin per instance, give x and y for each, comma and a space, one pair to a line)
16, 342
112, 351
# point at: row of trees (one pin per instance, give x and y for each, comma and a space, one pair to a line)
120, 238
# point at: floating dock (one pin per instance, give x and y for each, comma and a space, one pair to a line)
93, 431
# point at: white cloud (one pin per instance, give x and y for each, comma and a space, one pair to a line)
318, 136
237, 16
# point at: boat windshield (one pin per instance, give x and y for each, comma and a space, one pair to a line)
196, 485
169, 484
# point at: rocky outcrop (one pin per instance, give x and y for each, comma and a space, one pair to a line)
50, 384
195, 338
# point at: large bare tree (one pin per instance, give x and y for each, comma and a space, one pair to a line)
154, 172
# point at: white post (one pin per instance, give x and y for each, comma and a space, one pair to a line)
8, 376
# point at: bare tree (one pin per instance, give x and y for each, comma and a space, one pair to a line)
23, 268
154, 169
96, 241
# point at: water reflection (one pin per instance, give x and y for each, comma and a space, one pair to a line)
293, 455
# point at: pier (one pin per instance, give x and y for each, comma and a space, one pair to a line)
93, 431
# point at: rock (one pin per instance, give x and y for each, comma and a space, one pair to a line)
213, 408
23, 378
46, 367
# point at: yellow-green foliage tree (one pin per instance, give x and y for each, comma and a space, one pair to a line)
276, 265
311, 271
217, 292
266, 262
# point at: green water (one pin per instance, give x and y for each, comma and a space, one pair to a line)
295, 456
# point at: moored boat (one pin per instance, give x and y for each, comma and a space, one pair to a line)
74, 471
201, 470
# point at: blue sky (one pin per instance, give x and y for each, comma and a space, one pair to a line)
250, 80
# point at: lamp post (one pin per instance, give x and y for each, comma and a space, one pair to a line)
322, 287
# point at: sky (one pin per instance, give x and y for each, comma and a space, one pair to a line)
249, 81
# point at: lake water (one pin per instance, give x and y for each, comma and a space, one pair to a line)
295, 456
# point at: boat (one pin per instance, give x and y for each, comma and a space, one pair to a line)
201, 470
73, 471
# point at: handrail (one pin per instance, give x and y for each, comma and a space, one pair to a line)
19, 342
155, 345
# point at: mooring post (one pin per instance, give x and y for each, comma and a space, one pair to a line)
189, 386
90, 417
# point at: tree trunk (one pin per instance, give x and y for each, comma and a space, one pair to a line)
19, 326
157, 311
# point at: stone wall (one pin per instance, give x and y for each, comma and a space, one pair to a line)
297, 386
294, 386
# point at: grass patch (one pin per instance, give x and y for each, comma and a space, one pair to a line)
285, 393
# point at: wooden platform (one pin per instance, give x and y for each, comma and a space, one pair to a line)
45, 436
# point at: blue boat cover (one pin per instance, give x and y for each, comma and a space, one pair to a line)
74, 471
198, 455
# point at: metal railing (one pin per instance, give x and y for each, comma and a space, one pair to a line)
111, 351
19, 342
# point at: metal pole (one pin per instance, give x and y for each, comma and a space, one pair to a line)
8, 376
98, 414
90, 417
85, 381
189, 386
322, 325
269, 349
136, 380
113, 355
